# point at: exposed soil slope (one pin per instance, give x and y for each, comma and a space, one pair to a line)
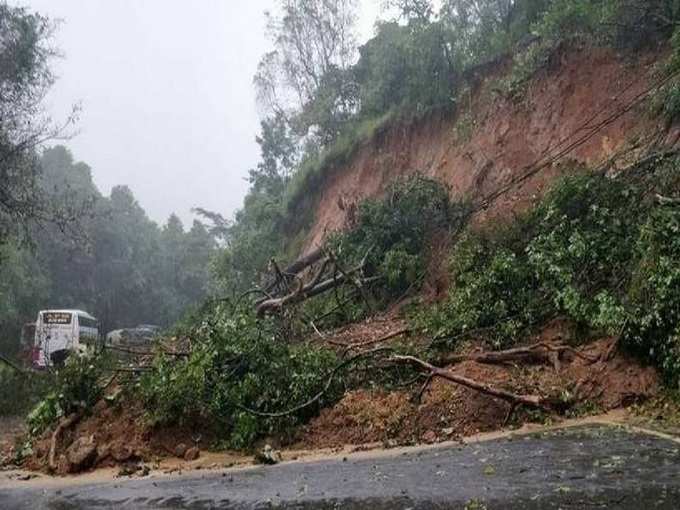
447, 411
493, 140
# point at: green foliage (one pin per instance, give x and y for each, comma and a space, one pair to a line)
392, 233
571, 257
622, 24
239, 363
493, 289
581, 251
406, 68
20, 392
596, 251
76, 387
654, 326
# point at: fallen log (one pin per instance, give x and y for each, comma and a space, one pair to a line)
541, 351
307, 291
533, 401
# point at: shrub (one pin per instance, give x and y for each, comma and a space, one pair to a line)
393, 232
20, 392
571, 256
76, 388
239, 363
653, 329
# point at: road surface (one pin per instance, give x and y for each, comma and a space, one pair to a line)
586, 467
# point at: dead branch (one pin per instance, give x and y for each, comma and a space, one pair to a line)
350, 278
307, 291
660, 199
56, 435
384, 338
534, 401
137, 352
539, 352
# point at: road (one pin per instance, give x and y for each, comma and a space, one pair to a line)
586, 467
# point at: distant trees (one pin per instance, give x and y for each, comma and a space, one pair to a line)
117, 264
304, 78
25, 76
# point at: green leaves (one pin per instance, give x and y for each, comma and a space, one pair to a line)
239, 363
393, 233
594, 251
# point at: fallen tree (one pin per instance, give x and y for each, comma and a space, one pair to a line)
514, 399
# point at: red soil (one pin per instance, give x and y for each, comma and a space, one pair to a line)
583, 85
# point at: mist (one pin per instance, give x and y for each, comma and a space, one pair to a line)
165, 87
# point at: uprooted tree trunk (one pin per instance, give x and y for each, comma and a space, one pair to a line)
538, 352
64, 424
301, 280
514, 399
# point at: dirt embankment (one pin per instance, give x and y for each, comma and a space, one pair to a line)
447, 411
493, 140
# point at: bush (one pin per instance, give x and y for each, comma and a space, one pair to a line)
239, 363
20, 392
393, 232
654, 327
75, 388
571, 256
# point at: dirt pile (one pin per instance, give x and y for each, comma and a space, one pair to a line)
447, 411
114, 435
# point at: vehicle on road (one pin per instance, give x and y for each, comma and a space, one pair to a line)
132, 337
60, 333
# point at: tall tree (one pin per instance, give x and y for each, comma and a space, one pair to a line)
314, 43
25, 77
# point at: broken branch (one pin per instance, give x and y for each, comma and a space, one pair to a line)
534, 401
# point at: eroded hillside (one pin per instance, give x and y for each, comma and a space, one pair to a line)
587, 108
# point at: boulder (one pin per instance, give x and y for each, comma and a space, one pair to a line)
81, 454
180, 450
268, 456
121, 452
192, 454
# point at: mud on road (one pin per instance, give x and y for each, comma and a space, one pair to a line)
585, 467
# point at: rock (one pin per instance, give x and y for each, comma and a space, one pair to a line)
268, 456
121, 452
430, 436
63, 465
192, 453
103, 451
128, 470
81, 454
180, 450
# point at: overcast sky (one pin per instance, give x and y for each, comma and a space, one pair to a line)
167, 96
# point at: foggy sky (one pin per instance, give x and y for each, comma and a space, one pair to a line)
168, 105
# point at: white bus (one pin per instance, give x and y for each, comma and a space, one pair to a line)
59, 333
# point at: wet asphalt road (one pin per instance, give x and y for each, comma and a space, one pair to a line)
590, 467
